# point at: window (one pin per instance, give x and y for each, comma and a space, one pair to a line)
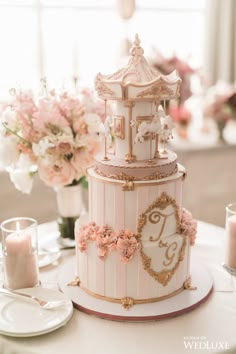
62, 39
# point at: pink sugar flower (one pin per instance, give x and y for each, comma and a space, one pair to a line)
85, 235
188, 226
127, 244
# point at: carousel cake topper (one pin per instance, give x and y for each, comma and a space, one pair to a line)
140, 120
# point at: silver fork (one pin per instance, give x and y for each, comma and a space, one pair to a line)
48, 305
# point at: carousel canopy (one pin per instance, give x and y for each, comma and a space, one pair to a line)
137, 81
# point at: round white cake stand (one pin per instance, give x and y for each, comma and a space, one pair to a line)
185, 301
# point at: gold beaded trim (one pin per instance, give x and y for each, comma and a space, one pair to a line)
126, 302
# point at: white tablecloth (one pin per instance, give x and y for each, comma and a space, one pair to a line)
214, 322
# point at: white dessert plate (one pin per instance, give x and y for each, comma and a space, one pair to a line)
20, 318
48, 258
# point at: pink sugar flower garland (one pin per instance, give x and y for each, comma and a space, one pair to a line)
125, 241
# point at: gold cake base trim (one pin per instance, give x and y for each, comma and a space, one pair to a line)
126, 302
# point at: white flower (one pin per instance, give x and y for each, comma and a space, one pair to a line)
22, 175
22, 180
24, 163
9, 153
41, 147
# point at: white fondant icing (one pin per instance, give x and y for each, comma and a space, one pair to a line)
140, 150
122, 208
111, 277
117, 280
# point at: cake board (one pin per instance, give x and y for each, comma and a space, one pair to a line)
185, 301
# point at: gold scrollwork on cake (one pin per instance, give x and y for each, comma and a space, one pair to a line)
127, 302
160, 203
75, 282
124, 177
155, 218
130, 158
128, 186
158, 89
170, 254
165, 275
174, 253
101, 88
187, 284
162, 244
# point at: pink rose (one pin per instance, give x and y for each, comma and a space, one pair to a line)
60, 173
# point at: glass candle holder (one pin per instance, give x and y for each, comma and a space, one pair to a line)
20, 253
230, 239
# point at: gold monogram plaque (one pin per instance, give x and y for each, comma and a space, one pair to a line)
157, 214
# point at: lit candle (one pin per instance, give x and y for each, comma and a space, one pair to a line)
20, 262
231, 242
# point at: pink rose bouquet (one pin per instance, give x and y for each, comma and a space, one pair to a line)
55, 135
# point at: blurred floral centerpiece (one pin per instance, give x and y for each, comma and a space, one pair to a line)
55, 136
178, 110
220, 105
182, 117
184, 70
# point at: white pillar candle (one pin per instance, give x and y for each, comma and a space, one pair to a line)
20, 261
231, 242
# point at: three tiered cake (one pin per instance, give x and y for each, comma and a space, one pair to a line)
135, 246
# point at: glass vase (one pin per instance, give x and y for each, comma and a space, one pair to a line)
71, 203
221, 126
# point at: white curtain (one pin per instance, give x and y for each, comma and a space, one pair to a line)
220, 61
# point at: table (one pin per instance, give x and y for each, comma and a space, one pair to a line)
213, 322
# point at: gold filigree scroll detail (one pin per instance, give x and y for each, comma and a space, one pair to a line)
187, 284
130, 158
127, 302
158, 89
165, 275
170, 257
75, 282
162, 244
124, 176
101, 88
154, 218
128, 186
160, 203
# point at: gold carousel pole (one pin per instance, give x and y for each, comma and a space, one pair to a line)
129, 156
156, 155
164, 143
105, 158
